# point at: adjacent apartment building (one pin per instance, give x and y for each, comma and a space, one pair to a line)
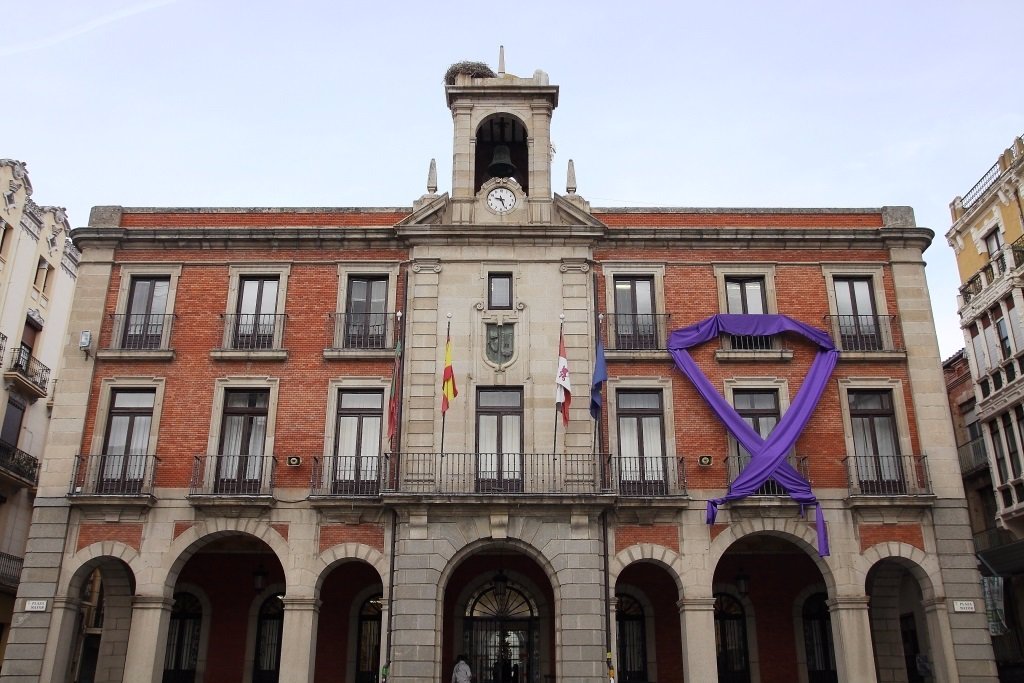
988, 238
250, 476
38, 267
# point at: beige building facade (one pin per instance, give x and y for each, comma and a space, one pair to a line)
38, 266
247, 501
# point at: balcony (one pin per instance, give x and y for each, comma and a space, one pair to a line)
27, 374
220, 480
735, 464
499, 474
993, 271
10, 570
18, 466
347, 476
888, 475
973, 456
362, 334
635, 332
139, 335
637, 477
114, 478
252, 335
866, 333
992, 538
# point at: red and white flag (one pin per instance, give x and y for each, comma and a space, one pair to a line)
563, 389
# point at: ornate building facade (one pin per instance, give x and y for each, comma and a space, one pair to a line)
38, 267
263, 485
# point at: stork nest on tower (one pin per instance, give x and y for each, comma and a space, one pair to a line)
474, 69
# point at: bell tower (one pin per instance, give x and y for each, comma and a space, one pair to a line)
501, 166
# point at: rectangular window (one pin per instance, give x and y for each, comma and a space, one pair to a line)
641, 443
998, 451
145, 317
13, 418
366, 313
1002, 331
978, 345
242, 440
634, 319
357, 443
877, 456
42, 273
743, 296
1011, 445
857, 320
256, 319
126, 443
991, 340
499, 439
759, 408
499, 291
993, 243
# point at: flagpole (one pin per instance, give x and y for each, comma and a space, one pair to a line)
448, 335
554, 433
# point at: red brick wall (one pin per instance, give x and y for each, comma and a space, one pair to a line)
129, 533
662, 596
754, 220
367, 534
872, 534
665, 535
182, 527
256, 219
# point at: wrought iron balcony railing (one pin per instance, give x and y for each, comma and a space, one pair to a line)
141, 331
991, 272
735, 464
366, 331
636, 476
29, 367
986, 181
866, 332
888, 475
973, 455
635, 331
114, 474
10, 569
253, 332
349, 475
3, 343
499, 473
992, 538
749, 342
19, 463
219, 474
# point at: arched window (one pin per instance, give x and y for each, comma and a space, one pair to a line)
731, 640
821, 658
368, 656
268, 640
183, 639
501, 634
632, 630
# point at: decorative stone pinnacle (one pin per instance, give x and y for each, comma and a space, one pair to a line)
570, 178
432, 177
501, 61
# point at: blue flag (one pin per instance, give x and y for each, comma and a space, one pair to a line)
600, 376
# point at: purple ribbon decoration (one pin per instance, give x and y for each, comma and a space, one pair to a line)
767, 456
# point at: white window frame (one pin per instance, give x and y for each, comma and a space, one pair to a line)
339, 384
107, 387
723, 271
899, 408
220, 389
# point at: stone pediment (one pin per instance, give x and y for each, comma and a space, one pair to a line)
573, 210
428, 210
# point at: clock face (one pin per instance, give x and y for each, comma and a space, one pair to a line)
501, 200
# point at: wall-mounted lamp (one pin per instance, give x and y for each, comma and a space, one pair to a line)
85, 341
500, 585
742, 581
259, 578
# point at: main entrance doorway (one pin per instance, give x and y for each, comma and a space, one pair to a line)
500, 632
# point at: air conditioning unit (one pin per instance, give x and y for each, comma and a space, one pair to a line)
294, 460
705, 460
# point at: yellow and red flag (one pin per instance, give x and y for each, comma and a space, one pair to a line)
448, 390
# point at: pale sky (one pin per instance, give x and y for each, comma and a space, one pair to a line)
318, 103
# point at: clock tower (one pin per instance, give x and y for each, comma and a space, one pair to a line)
501, 170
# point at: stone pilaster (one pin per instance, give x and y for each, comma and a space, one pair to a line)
851, 637
147, 640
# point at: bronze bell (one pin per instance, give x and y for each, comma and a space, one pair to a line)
501, 165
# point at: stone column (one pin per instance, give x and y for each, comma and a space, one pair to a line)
147, 639
940, 641
61, 645
697, 616
851, 636
298, 640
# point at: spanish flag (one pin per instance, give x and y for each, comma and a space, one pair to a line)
448, 390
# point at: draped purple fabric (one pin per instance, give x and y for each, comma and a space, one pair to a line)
767, 456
